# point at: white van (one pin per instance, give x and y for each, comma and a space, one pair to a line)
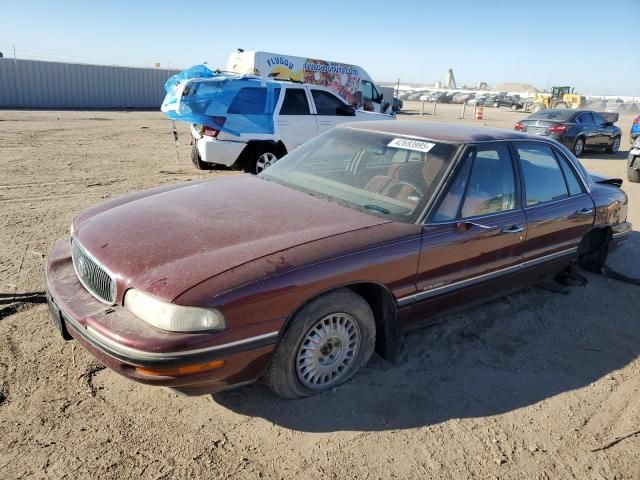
350, 82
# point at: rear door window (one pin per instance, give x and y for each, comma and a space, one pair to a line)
575, 187
295, 102
585, 118
543, 177
249, 100
326, 103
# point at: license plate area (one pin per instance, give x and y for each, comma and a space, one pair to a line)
58, 319
538, 130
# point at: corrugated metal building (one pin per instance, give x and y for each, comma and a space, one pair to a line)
38, 84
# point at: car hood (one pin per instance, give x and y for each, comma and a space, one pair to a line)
167, 240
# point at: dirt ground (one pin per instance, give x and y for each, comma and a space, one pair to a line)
525, 387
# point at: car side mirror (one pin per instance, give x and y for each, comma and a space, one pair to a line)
346, 111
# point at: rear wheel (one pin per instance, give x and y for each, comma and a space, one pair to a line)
593, 251
197, 161
615, 146
328, 341
578, 146
633, 175
496, 104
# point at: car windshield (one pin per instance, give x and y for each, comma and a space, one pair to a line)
561, 115
387, 175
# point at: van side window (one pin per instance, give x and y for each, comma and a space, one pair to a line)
367, 90
295, 102
326, 103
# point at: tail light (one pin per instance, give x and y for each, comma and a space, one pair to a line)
520, 127
559, 129
210, 131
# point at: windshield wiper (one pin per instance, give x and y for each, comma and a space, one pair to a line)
377, 208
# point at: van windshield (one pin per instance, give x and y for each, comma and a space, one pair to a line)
387, 175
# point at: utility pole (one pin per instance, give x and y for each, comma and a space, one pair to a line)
14, 52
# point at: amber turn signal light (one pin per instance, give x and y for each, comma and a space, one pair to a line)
178, 371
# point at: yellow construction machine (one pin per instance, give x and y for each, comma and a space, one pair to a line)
560, 97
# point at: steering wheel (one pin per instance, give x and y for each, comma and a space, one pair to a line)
394, 189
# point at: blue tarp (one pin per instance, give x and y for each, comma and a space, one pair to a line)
236, 104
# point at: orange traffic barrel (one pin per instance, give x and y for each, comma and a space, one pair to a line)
479, 112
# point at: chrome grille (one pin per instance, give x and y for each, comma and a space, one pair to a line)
92, 275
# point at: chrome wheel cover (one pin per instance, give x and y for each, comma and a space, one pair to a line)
616, 144
328, 351
265, 160
578, 149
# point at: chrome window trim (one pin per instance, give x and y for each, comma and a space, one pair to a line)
416, 297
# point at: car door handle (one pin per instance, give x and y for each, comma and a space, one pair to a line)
584, 211
283, 123
324, 124
513, 229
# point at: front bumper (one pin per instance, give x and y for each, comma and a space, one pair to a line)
123, 342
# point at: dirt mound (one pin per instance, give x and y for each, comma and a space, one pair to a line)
516, 87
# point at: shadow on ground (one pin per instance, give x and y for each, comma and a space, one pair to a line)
499, 357
603, 156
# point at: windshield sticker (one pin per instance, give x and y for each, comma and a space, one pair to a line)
409, 144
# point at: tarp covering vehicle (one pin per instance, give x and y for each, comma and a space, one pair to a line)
233, 103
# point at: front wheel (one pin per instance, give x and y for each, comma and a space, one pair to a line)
578, 147
328, 341
615, 146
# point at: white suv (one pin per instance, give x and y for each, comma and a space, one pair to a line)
301, 113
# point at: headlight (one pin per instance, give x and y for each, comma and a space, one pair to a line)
171, 317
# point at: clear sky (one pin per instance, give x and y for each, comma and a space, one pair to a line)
590, 44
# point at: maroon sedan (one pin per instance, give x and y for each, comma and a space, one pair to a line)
297, 275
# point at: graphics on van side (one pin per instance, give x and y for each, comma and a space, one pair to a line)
341, 78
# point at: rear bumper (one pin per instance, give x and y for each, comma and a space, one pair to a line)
220, 152
108, 333
620, 234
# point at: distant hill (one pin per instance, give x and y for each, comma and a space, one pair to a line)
516, 87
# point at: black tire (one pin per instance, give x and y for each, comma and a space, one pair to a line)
197, 161
579, 146
251, 164
593, 251
633, 175
615, 145
281, 376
